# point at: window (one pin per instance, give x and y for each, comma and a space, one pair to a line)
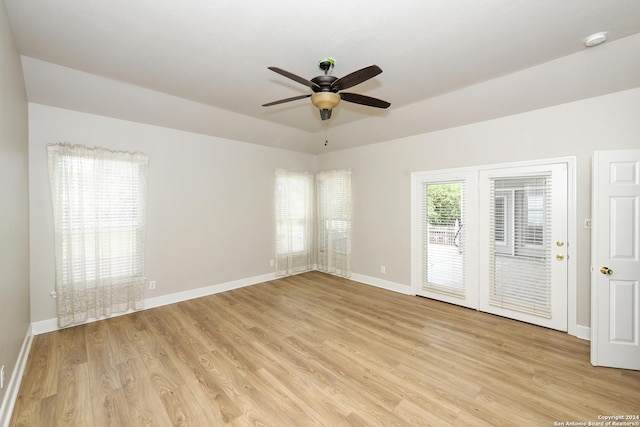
533, 206
294, 222
99, 206
334, 222
295, 202
519, 216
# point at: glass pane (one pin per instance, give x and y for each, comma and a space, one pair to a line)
444, 238
520, 269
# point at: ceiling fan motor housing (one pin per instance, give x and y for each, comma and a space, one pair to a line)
324, 82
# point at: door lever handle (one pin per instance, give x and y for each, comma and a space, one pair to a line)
606, 270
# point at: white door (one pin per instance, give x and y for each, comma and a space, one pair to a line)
615, 289
523, 243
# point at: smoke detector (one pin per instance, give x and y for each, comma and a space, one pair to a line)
595, 39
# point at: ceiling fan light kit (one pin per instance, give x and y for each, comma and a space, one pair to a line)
325, 100
325, 88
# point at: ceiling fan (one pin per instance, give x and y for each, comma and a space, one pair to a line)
326, 88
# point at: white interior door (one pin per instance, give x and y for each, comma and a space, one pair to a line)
615, 294
523, 243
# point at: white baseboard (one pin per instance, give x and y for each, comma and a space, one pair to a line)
50, 325
9, 400
207, 290
583, 332
44, 326
381, 283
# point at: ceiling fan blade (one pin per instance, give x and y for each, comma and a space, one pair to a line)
293, 77
356, 77
364, 100
281, 101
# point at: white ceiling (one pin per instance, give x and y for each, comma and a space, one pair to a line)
201, 65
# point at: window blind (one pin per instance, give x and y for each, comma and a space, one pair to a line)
294, 222
520, 249
334, 222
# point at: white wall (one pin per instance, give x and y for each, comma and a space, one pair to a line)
204, 231
14, 204
210, 202
382, 174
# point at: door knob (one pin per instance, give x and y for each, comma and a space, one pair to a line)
559, 243
559, 257
606, 270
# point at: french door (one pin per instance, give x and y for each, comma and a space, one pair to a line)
494, 239
523, 264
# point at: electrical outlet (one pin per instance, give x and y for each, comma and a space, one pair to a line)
152, 284
2, 377
383, 269
271, 263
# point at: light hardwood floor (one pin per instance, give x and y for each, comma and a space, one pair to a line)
313, 350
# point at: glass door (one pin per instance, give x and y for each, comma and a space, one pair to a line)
523, 265
444, 264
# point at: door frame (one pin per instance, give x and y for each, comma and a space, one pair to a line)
572, 292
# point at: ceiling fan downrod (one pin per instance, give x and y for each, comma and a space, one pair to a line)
326, 64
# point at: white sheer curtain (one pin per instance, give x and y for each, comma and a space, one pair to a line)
99, 201
294, 222
334, 222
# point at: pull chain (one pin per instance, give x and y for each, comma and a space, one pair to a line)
326, 134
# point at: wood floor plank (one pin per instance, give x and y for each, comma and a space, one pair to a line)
35, 412
191, 358
72, 409
71, 347
315, 349
185, 404
137, 386
42, 366
418, 415
107, 397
